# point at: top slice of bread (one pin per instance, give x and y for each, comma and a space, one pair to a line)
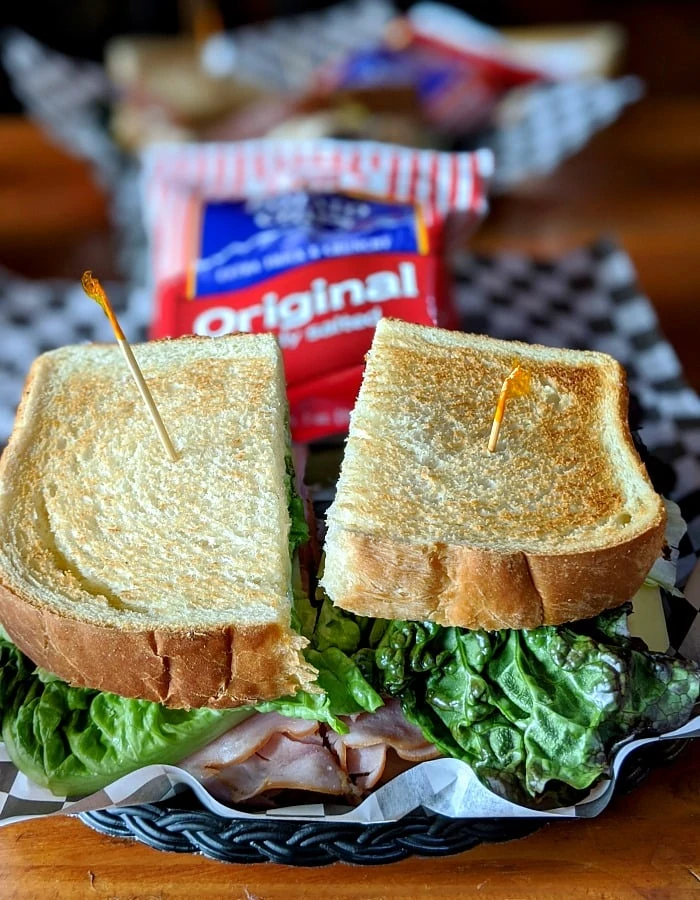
559, 523
124, 571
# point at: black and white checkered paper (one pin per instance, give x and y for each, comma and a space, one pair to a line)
587, 299
285, 54
536, 128
540, 126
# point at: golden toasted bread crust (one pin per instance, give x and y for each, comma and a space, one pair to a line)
560, 523
475, 588
219, 667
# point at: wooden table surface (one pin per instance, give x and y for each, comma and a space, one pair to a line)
639, 181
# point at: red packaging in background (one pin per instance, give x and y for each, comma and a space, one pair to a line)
458, 68
322, 406
314, 241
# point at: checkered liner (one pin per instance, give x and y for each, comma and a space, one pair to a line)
586, 299
543, 125
537, 128
285, 54
36, 316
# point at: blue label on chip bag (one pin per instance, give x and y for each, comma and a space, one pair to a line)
429, 74
244, 242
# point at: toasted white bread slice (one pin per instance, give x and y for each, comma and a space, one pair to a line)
559, 523
124, 571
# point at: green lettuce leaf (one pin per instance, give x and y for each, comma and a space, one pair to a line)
535, 711
74, 741
344, 683
336, 628
299, 530
303, 705
304, 613
344, 691
340, 648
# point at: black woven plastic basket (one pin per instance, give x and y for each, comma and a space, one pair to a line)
172, 826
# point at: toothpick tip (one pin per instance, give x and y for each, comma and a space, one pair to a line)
96, 292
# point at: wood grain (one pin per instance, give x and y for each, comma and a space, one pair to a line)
53, 217
640, 182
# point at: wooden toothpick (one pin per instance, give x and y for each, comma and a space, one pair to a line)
516, 383
96, 292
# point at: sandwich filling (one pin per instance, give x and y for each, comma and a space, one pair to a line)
534, 712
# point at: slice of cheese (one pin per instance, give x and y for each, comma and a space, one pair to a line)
647, 620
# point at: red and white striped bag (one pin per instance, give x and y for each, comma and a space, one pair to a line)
311, 240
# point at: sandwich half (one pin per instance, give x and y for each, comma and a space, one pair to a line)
124, 571
558, 523
498, 580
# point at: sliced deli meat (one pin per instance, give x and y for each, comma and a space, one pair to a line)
270, 752
284, 762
